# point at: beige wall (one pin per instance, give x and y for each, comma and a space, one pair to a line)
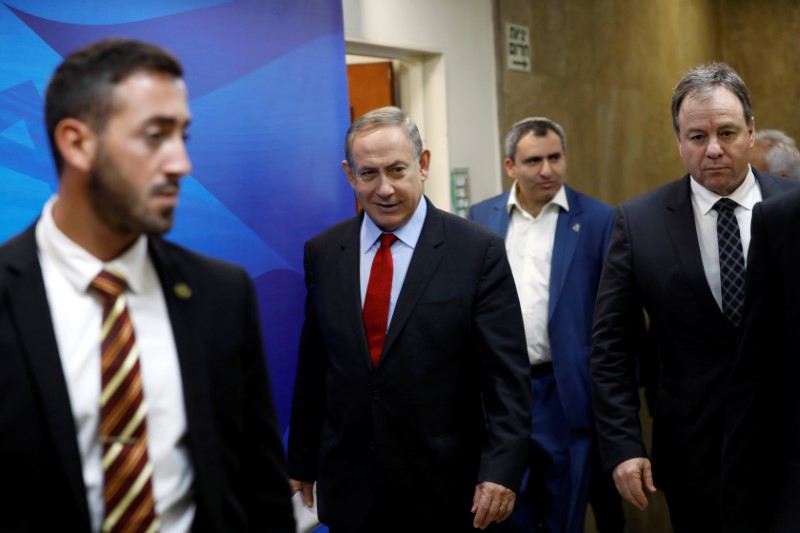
605, 70
447, 46
761, 43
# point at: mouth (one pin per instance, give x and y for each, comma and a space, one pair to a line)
166, 194
165, 190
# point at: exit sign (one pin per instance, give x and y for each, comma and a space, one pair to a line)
518, 47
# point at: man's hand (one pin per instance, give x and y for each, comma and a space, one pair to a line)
632, 478
491, 503
306, 487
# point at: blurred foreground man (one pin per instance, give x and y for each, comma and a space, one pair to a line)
761, 458
133, 390
412, 403
556, 239
678, 254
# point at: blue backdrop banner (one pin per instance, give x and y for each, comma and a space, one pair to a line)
268, 93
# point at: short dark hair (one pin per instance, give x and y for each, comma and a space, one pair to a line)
381, 118
539, 126
704, 79
82, 86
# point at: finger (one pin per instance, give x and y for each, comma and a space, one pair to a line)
482, 513
295, 486
636, 493
476, 497
308, 494
506, 510
648, 478
480, 516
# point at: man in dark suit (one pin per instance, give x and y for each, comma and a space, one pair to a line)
425, 430
168, 423
761, 456
667, 258
556, 240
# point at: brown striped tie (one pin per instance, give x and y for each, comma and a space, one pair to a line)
127, 470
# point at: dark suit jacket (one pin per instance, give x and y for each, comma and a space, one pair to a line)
654, 264
761, 456
240, 480
446, 407
582, 236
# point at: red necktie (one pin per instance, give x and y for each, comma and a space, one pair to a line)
127, 470
379, 291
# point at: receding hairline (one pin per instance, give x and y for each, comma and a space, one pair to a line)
401, 131
707, 92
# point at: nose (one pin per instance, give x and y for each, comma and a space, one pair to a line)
714, 149
178, 163
547, 169
385, 187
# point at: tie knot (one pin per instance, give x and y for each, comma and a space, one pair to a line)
387, 239
109, 285
725, 204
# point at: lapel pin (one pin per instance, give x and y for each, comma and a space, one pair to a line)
182, 291
576, 228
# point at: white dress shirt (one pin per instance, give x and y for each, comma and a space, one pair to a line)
529, 244
747, 195
402, 250
76, 311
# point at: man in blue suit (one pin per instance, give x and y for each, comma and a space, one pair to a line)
556, 241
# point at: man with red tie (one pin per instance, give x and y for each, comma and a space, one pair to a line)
411, 403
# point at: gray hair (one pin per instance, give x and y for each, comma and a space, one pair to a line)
703, 80
539, 126
781, 155
381, 118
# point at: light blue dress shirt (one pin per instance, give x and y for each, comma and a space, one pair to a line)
402, 250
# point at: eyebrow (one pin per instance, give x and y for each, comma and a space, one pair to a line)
165, 120
546, 156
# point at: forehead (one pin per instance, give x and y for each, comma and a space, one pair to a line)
717, 104
381, 143
145, 93
532, 144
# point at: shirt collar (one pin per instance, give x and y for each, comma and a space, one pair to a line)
80, 267
559, 200
408, 233
744, 195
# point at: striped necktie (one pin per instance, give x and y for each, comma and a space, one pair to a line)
127, 470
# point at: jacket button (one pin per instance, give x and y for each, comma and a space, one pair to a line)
376, 394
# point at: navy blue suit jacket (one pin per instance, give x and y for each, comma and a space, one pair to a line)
582, 237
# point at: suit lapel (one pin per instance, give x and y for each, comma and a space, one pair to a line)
682, 232
178, 285
499, 219
568, 232
30, 313
426, 258
349, 276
